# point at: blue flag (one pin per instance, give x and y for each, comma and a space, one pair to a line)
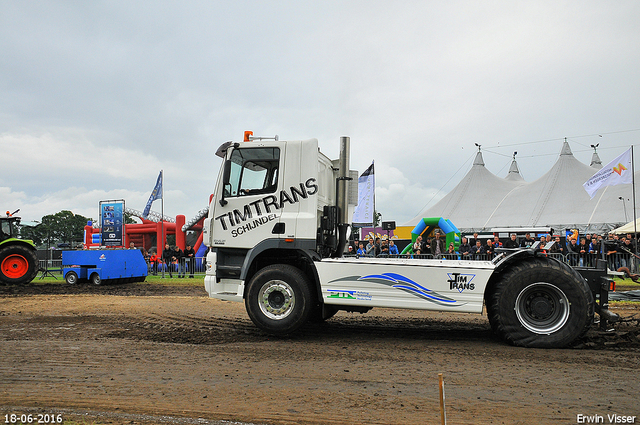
156, 194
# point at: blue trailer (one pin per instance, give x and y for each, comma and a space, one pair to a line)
104, 265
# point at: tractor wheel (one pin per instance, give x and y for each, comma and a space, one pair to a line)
540, 302
279, 299
18, 264
95, 279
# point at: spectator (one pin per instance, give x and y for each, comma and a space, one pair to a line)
475, 239
154, 260
583, 250
179, 256
611, 249
384, 249
465, 249
626, 249
478, 251
527, 241
557, 247
594, 247
573, 252
426, 246
437, 246
451, 252
543, 242
377, 248
496, 242
361, 251
190, 259
393, 249
489, 249
168, 257
417, 245
512, 242
371, 248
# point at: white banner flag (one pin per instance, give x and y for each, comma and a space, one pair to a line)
616, 172
363, 214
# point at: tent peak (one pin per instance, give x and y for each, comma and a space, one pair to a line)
478, 160
566, 150
595, 159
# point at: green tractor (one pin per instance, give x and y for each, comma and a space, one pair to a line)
18, 259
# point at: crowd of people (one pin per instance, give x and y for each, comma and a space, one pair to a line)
172, 259
577, 250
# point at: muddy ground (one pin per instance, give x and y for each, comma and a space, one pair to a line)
144, 353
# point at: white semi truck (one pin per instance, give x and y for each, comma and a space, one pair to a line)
277, 228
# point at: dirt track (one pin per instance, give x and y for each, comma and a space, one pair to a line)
159, 350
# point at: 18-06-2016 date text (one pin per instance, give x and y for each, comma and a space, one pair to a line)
30, 418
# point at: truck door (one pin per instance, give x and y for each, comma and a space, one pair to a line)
247, 208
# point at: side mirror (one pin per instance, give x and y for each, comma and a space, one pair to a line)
226, 186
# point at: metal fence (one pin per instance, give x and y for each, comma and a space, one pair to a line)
614, 261
197, 265
186, 266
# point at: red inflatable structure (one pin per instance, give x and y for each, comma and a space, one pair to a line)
141, 234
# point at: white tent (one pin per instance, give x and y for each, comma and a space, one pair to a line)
471, 198
628, 228
482, 201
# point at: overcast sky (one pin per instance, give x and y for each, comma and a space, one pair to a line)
97, 97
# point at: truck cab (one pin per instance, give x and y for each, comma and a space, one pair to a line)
268, 207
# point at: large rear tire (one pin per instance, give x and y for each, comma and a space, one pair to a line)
279, 299
540, 302
18, 264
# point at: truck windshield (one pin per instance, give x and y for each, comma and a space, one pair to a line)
254, 171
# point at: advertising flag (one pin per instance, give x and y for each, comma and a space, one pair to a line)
363, 213
616, 172
156, 194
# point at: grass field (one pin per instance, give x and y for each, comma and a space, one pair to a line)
198, 280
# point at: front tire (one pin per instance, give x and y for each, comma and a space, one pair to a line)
18, 264
540, 302
71, 278
279, 299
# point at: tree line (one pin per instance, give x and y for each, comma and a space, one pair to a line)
63, 227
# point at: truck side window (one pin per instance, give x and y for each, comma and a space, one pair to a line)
253, 171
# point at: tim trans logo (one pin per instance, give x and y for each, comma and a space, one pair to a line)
461, 281
264, 210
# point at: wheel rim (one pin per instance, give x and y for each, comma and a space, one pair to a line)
15, 266
276, 299
542, 308
95, 278
72, 278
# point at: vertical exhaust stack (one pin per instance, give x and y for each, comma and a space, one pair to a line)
342, 198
